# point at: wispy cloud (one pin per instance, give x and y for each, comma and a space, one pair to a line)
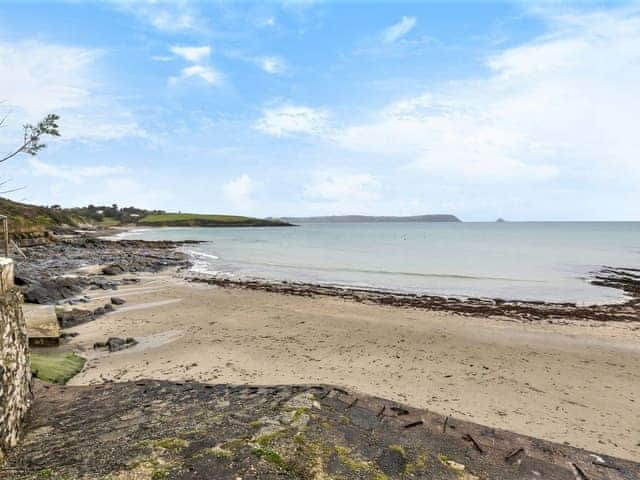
74, 174
560, 106
287, 120
272, 65
269, 21
238, 191
342, 187
192, 54
38, 78
398, 30
209, 74
198, 56
170, 17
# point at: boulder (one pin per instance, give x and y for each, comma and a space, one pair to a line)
113, 269
71, 318
118, 301
114, 344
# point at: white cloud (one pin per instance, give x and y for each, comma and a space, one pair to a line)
170, 17
291, 120
239, 191
268, 22
208, 74
74, 174
39, 78
192, 54
272, 65
398, 30
564, 105
198, 57
342, 187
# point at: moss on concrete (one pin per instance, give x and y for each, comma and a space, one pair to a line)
56, 367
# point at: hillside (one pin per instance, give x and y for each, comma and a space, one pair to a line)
199, 220
372, 219
34, 219
24, 218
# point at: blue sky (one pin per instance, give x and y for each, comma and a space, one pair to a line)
517, 110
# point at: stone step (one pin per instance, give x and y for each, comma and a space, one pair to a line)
42, 325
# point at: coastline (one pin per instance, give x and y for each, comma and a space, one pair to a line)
553, 378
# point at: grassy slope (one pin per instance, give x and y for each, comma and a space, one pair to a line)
32, 218
193, 219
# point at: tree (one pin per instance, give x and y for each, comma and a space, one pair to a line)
32, 142
33, 134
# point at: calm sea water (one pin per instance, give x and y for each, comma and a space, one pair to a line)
537, 261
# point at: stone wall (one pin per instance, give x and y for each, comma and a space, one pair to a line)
15, 370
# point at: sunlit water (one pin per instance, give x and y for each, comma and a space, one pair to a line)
537, 261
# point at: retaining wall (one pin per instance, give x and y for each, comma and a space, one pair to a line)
15, 368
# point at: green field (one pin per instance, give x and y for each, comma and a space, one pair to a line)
195, 219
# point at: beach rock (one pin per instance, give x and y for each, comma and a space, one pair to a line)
115, 344
98, 283
67, 319
118, 301
114, 269
49, 290
65, 335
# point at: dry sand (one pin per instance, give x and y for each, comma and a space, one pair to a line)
577, 382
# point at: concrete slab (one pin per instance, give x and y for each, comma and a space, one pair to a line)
42, 325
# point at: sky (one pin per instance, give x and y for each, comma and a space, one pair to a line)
520, 110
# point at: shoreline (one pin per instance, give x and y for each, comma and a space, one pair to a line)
625, 311
554, 381
625, 280
553, 378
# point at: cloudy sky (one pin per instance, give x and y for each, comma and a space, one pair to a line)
307, 107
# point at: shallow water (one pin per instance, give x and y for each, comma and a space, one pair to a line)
535, 261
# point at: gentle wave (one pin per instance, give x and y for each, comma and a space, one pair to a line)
372, 271
195, 253
550, 261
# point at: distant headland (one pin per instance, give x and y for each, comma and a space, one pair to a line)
372, 219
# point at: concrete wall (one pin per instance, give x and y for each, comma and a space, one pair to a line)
15, 369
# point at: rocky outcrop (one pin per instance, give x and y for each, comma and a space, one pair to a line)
44, 277
49, 290
15, 369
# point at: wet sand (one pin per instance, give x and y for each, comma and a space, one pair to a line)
576, 382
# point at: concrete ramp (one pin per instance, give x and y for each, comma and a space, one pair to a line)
42, 325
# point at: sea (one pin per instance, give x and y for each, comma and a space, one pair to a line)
544, 261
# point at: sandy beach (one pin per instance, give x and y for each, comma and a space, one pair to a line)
576, 382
